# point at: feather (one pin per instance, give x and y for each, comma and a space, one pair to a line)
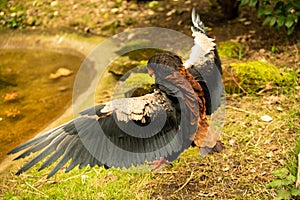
129, 131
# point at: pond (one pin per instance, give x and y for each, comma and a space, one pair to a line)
37, 73
30, 96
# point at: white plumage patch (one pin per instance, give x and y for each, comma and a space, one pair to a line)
203, 45
200, 51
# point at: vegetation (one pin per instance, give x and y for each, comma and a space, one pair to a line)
277, 13
230, 49
286, 177
254, 76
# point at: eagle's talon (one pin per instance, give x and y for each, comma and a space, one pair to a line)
157, 163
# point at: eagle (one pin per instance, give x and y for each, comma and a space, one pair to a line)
155, 128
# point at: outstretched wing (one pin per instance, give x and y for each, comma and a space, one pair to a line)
119, 133
205, 65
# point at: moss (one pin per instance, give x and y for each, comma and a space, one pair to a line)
140, 79
3, 4
153, 5
230, 49
136, 84
122, 65
256, 74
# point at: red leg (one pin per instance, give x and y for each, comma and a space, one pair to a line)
158, 163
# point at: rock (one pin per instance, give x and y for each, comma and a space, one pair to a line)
61, 72
8, 97
12, 113
171, 12
133, 6
266, 118
129, 21
63, 88
53, 3
122, 65
246, 23
111, 4
110, 25
30, 21
114, 10
153, 4
151, 12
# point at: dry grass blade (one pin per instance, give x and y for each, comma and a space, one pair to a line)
35, 189
187, 181
298, 176
240, 110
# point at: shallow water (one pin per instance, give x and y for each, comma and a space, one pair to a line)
29, 99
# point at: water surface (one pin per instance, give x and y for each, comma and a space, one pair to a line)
29, 99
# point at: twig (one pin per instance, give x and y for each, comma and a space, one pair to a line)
241, 110
166, 172
38, 191
205, 195
235, 81
298, 176
187, 181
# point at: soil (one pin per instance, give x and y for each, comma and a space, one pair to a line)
106, 18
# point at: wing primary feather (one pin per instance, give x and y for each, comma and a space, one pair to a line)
83, 158
38, 145
78, 150
66, 151
36, 139
59, 152
37, 158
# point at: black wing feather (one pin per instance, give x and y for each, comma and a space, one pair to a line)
95, 138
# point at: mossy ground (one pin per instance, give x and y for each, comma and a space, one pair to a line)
255, 76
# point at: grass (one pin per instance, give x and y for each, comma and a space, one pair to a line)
254, 150
87, 183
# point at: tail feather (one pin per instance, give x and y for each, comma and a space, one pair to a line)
198, 25
203, 44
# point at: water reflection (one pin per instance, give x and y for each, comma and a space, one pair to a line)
29, 98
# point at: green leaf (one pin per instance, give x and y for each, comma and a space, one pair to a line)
267, 11
253, 3
267, 20
275, 184
295, 192
260, 11
280, 21
291, 178
273, 21
284, 194
289, 21
244, 2
281, 173
290, 30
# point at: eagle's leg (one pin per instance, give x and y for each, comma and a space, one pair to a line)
157, 163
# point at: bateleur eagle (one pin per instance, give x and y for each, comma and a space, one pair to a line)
131, 131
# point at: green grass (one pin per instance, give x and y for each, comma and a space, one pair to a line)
87, 183
254, 149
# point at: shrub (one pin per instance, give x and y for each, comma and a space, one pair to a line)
277, 13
